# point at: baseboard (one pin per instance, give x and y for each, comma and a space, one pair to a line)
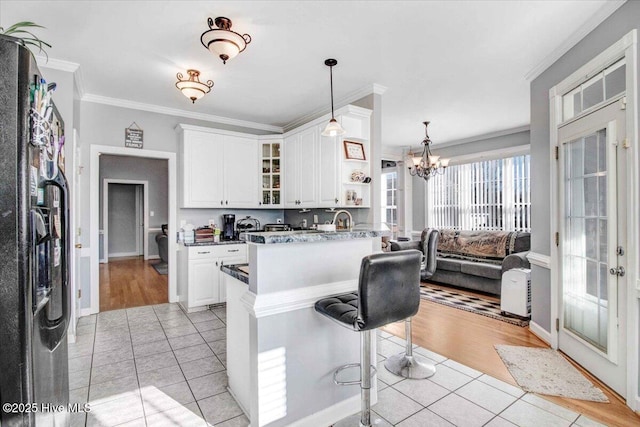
84, 312
123, 254
332, 414
153, 257
539, 331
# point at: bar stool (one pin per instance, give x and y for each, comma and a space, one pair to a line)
388, 291
408, 365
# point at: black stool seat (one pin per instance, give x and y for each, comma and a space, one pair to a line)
341, 308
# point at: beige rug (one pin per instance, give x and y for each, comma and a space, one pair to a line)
545, 371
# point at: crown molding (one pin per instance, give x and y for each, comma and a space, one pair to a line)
348, 99
490, 135
57, 64
124, 103
596, 19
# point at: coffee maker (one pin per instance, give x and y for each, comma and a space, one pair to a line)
228, 227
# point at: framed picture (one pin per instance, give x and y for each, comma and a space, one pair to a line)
354, 150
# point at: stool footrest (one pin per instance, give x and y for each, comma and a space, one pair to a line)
347, 366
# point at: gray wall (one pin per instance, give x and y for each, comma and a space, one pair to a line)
625, 19
155, 171
122, 219
419, 198
481, 144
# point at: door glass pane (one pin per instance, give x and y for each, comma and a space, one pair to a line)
592, 92
614, 81
585, 244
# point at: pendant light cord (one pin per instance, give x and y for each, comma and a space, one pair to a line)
331, 79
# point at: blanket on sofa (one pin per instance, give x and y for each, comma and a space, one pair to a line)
486, 246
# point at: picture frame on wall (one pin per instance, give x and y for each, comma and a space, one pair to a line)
354, 150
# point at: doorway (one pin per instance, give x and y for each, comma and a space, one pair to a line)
125, 208
592, 326
168, 192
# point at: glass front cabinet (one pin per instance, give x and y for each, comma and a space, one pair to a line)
270, 173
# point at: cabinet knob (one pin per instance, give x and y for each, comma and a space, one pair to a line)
216, 263
259, 203
336, 200
226, 202
221, 202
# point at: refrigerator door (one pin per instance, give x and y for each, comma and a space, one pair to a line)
51, 302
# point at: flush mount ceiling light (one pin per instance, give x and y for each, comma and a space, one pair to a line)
222, 41
426, 165
192, 87
333, 127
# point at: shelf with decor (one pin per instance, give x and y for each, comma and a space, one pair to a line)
356, 170
270, 173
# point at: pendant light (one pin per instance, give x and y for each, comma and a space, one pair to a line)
333, 127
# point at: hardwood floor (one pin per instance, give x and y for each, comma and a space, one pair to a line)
469, 339
131, 282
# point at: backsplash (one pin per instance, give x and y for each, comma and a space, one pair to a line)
200, 217
295, 218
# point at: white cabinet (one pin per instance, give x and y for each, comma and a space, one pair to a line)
329, 180
199, 277
217, 170
201, 169
300, 169
240, 172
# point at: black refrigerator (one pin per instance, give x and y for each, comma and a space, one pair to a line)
34, 246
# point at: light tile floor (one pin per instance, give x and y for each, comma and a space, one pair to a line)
158, 366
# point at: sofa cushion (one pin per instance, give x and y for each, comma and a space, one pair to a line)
484, 246
448, 264
490, 271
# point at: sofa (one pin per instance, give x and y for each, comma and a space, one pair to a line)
474, 260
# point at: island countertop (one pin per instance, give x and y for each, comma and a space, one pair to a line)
238, 271
305, 236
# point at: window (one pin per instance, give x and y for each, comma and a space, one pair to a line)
390, 201
487, 195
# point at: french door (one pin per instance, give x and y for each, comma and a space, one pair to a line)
593, 243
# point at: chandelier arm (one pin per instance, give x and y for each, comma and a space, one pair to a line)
331, 81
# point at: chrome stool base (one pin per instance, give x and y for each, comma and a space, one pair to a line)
406, 365
412, 367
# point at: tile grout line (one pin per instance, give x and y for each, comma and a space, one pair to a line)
135, 366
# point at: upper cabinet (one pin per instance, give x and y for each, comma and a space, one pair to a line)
270, 154
217, 170
300, 169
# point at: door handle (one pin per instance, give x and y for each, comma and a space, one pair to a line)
617, 271
78, 245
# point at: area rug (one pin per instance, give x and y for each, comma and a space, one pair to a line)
545, 371
473, 304
161, 267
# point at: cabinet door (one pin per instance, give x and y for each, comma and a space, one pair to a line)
290, 171
204, 282
308, 167
329, 172
240, 172
202, 169
228, 261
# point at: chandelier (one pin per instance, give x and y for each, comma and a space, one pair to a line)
222, 41
192, 87
426, 165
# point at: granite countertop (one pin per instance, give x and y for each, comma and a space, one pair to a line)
305, 236
237, 271
222, 242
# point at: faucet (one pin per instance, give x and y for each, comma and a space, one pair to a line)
349, 224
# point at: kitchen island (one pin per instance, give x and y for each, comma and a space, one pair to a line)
281, 354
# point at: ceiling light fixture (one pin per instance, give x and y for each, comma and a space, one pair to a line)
192, 87
222, 41
426, 165
333, 127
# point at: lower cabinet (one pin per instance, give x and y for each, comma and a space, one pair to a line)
199, 277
